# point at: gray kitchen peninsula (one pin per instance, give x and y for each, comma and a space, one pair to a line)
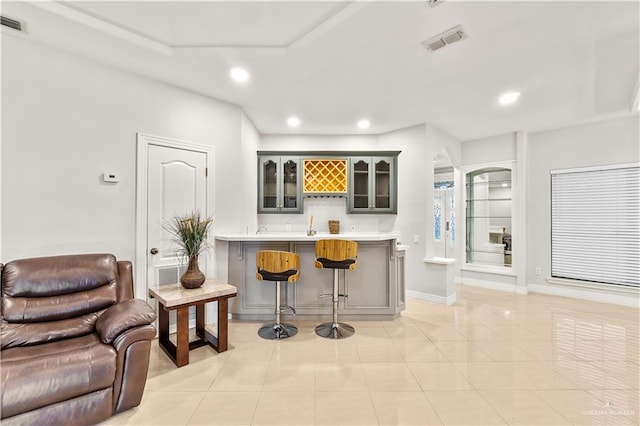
376, 289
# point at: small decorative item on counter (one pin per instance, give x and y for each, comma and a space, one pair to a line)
334, 226
190, 233
310, 231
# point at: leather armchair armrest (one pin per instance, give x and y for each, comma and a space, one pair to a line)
122, 317
133, 347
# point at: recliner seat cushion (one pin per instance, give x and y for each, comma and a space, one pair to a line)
27, 334
36, 376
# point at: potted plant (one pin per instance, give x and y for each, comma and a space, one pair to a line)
190, 233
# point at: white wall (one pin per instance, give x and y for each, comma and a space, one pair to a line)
66, 120
412, 200
610, 142
318, 143
247, 173
489, 150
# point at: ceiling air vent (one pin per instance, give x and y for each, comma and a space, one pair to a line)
441, 40
11, 23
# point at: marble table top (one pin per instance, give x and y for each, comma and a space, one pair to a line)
174, 294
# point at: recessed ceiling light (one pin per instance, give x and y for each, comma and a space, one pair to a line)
509, 98
240, 75
364, 124
293, 121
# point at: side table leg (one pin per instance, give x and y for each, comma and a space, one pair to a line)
182, 346
223, 324
200, 320
163, 329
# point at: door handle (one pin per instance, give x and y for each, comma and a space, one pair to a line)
153, 251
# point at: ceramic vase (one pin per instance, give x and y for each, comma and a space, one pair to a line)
193, 277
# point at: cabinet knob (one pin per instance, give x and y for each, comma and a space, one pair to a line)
153, 251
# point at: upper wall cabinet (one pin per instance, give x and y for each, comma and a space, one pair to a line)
373, 185
280, 184
367, 179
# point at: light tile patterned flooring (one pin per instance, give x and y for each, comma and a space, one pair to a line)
492, 358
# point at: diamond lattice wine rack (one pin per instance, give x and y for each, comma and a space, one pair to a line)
325, 176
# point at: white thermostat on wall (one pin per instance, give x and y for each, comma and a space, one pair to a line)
112, 177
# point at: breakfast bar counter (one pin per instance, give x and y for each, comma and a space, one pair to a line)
376, 288
301, 236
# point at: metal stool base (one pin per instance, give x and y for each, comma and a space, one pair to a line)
333, 330
277, 331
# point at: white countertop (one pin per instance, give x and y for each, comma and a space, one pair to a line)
301, 236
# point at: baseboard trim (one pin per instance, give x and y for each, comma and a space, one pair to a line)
491, 285
448, 300
556, 290
593, 296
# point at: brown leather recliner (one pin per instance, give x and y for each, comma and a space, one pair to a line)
74, 342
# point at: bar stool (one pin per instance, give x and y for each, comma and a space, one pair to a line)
278, 266
336, 255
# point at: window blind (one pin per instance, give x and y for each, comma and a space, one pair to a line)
595, 225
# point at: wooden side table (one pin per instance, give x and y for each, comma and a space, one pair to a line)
175, 297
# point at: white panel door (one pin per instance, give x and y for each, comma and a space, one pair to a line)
176, 185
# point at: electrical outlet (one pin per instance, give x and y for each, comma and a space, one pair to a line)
538, 271
111, 177
287, 227
416, 239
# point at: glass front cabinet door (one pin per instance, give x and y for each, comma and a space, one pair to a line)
280, 184
373, 185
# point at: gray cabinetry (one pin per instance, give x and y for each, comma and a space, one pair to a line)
371, 188
313, 281
279, 184
254, 296
369, 285
373, 185
372, 287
